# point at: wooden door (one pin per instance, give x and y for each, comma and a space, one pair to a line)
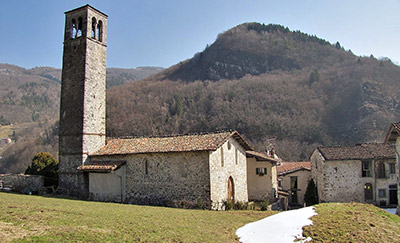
231, 189
393, 195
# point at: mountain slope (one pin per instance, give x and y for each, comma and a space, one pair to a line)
29, 110
277, 87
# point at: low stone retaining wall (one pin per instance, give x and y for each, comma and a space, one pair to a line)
22, 183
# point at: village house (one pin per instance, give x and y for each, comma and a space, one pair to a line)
293, 178
204, 169
361, 173
393, 137
261, 176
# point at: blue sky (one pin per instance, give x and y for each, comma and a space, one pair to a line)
163, 33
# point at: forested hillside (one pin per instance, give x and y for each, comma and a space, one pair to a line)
29, 110
277, 87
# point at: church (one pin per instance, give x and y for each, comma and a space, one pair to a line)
207, 169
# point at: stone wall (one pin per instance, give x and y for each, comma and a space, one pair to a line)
162, 178
22, 183
233, 165
342, 181
303, 176
263, 187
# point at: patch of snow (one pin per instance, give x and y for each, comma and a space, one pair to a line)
282, 227
390, 210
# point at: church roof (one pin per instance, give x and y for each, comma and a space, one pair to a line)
260, 156
289, 167
180, 143
359, 152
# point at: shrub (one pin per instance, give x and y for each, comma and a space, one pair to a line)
311, 194
46, 165
264, 205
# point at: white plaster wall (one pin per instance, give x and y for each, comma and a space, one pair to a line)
108, 186
383, 183
261, 187
303, 176
219, 174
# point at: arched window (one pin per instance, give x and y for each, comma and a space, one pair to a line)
99, 31
79, 32
74, 30
368, 192
231, 189
93, 33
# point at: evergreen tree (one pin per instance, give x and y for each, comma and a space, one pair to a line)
46, 165
311, 195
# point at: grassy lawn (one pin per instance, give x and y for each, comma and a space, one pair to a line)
37, 218
353, 222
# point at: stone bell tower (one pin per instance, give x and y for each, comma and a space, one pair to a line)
83, 96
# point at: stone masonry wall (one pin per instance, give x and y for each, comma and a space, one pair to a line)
169, 177
219, 174
22, 183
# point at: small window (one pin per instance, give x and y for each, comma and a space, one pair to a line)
392, 168
366, 165
382, 193
146, 167
93, 33
293, 182
229, 145
236, 156
279, 182
381, 170
261, 171
222, 157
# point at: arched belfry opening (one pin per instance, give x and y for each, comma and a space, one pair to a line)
93, 31
74, 30
231, 189
99, 31
79, 32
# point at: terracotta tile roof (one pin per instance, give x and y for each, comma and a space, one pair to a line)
393, 132
290, 167
180, 143
103, 166
260, 156
359, 152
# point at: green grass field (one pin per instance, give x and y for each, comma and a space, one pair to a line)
38, 218
44, 219
353, 222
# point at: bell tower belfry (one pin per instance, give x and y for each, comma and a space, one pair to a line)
83, 96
